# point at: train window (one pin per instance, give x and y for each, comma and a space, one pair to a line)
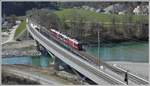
61, 37
75, 45
80, 46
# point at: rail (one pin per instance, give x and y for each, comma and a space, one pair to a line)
88, 67
134, 78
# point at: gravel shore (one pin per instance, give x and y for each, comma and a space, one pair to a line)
20, 48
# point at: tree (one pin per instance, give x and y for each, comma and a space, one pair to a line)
45, 18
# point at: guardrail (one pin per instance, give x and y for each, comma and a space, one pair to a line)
134, 77
91, 68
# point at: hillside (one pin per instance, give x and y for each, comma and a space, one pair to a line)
81, 24
93, 16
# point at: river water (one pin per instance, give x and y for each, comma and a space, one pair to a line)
39, 61
131, 52
127, 51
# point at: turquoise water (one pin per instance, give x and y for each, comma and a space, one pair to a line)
132, 52
40, 61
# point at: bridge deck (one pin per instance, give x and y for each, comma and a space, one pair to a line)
74, 61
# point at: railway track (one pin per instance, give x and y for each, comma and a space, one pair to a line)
91, 69
134, 78
99, 73
92, 59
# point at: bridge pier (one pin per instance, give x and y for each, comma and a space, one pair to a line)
58, 64
61, 66
41, 49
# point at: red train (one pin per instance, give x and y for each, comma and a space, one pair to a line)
67, 40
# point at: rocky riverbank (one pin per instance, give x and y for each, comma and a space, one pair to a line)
20, 48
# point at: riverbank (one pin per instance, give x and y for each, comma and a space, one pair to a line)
112, 44
20, 48
139, 69
49, 73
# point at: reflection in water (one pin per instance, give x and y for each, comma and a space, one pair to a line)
134, 52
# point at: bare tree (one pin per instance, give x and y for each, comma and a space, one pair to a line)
46, 18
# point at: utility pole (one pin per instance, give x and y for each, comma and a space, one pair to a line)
98, 27
126, 77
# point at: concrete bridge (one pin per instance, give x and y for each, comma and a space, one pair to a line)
73, 60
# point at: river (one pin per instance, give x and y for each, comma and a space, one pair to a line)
127, 51
39, 61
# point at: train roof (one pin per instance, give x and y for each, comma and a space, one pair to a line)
64, 36
55, 31
74, 40
59, 33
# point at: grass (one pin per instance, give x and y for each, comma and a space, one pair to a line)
20, 28
100, 17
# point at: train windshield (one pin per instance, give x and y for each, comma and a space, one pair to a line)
80, 46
